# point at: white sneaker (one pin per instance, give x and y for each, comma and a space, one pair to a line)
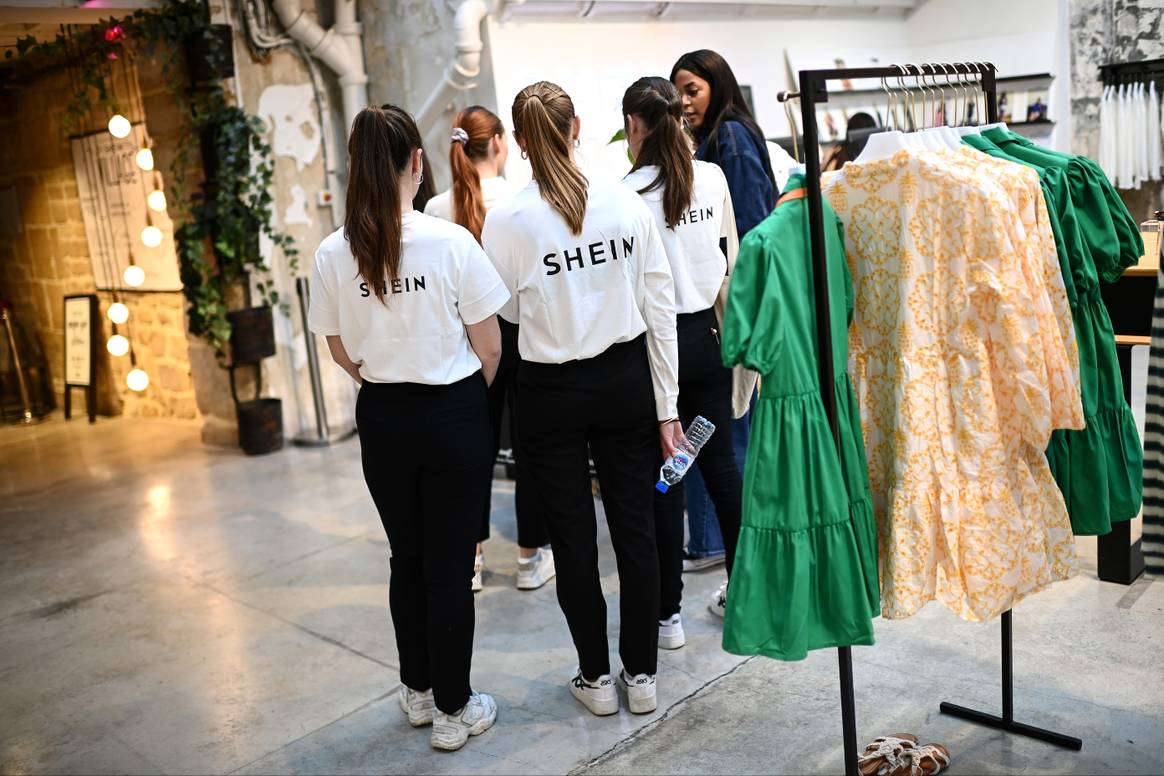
671, 633
479, 574
451, 731
598, 696
718, 605
419, 706
692, 563
640, 692
534, 572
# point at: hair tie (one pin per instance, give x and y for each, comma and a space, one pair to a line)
459, 136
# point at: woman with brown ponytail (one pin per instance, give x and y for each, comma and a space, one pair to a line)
477, 154
692, 207
408, 305
593, 294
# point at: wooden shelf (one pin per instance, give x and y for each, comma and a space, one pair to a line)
941, 83
1009, 79
1140, 272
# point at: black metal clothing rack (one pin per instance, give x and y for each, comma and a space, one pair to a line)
813, 90
1145, 69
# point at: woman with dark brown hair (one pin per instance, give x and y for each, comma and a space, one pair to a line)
693, 210
477, 155
727, 135
408, 306
592, 291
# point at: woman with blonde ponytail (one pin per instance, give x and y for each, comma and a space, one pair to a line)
692, 207
477, 155
592, 291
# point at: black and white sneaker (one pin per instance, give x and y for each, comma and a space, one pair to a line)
598, 696
718, 604
640, 692
671, 633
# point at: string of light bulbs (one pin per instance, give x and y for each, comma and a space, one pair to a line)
120, 127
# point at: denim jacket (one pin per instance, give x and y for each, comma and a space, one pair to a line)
748, 171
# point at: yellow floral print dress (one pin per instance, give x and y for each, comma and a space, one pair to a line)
964, 361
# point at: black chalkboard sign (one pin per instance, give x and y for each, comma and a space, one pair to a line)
82, 329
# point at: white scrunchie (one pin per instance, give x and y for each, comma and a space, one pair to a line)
459, 136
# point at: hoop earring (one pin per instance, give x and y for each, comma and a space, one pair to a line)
418, 178
525, 154
577, 143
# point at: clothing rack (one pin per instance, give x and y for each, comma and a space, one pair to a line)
813, 90
1143, 70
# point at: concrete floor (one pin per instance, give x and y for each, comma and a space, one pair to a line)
167, 607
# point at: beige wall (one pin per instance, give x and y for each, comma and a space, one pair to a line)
51, 259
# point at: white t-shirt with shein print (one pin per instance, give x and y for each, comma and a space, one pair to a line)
575, 295
698, 262
417, 333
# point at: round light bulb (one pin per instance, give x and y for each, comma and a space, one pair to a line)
151, 236
156, 200
145, 159
117, 345
118, 313
134, 276
119, 126
137, 380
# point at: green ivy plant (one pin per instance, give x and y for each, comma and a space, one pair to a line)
219, 226
620, 137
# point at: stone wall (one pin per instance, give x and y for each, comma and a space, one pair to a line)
49, 258
307, 139
1111, 31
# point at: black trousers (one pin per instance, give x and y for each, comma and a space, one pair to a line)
605, 403
531, 525
426, 459
705, 388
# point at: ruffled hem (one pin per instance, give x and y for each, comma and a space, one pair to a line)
1098, 468
1099, 471
813, 588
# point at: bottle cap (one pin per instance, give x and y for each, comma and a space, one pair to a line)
661, 486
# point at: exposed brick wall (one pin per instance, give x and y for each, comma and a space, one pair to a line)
51, 259
1111, 31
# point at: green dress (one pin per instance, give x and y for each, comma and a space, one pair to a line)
1099, 468
805, 574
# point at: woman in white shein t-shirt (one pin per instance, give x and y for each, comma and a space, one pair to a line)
692, 206
593, 296
408, 303
477, 154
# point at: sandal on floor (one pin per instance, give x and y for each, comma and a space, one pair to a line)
888, 755
930, 760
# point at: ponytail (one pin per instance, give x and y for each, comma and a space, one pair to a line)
379, 149
656, 101
543, 116
473, 129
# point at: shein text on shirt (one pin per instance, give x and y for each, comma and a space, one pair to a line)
399, 286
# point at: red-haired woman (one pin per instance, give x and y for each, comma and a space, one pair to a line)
477, 155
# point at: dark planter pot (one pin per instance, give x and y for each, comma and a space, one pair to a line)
260, 426
252, 335
210, 54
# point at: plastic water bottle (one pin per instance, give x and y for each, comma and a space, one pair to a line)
677, 465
